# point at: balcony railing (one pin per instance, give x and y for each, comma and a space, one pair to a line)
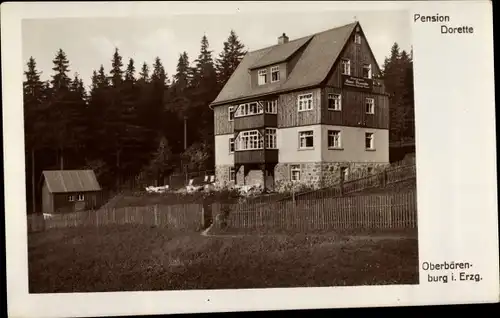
255, 121
258, 156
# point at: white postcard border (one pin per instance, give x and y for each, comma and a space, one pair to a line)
456, 167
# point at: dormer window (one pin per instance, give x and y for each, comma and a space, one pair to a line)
357, 38
262, 77
346, 67
275, 74
367, 71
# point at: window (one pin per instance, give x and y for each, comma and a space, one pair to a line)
262, 77
232, 174
334, 102
272, 106
369, 141
71, 198
249, 140
249, 109
271, 141
81, 197
275, 74
231, 113
367, 71
231, 145
357, 38
346, 67
305, 102
370, 106
295, 172
334, 139
306, 139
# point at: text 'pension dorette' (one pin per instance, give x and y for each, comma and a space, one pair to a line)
445, 29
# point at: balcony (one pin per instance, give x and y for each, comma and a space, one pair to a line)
255, 121
258, 156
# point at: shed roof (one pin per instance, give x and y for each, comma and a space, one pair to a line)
61, 181
321, 51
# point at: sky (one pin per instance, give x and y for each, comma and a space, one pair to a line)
90, 42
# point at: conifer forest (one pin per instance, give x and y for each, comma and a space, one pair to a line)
134, 119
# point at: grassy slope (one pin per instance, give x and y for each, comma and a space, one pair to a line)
131, 258
145, 199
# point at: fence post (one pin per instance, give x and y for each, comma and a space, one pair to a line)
342, 185
156, 214
384, 178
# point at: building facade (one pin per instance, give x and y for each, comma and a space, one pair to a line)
307, 111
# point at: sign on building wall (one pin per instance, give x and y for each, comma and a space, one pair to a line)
357, 82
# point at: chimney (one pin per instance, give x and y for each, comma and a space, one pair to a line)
283, 39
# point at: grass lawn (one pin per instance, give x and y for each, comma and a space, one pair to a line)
134, 258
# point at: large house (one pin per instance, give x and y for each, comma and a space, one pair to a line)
309, 110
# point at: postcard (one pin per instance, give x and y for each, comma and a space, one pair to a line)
187, 157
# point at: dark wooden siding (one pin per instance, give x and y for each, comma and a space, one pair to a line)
62, 205
222, 125
358, 54
47, 204
353, 111
289, 116
255, 121
256, 156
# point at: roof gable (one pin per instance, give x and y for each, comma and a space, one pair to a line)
62, 181
321, 50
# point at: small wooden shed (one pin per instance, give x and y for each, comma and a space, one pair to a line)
70, 191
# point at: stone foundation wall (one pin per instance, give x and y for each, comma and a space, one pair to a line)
252, 177
331, 171
222, 175
313, 175
320, 174
310, 176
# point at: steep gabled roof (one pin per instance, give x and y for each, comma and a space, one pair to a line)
321, 51
280, 53
62, 181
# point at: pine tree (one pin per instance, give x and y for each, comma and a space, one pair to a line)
202, 92
35, 128
204, 69
130, 72
398, 80
229, 58
161, 164
60, 79
159, 76
62, 109
181, 78
144, 73
116, 69
102, 78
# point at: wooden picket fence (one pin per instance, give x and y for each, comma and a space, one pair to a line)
387, 177
181, 216
389, 211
